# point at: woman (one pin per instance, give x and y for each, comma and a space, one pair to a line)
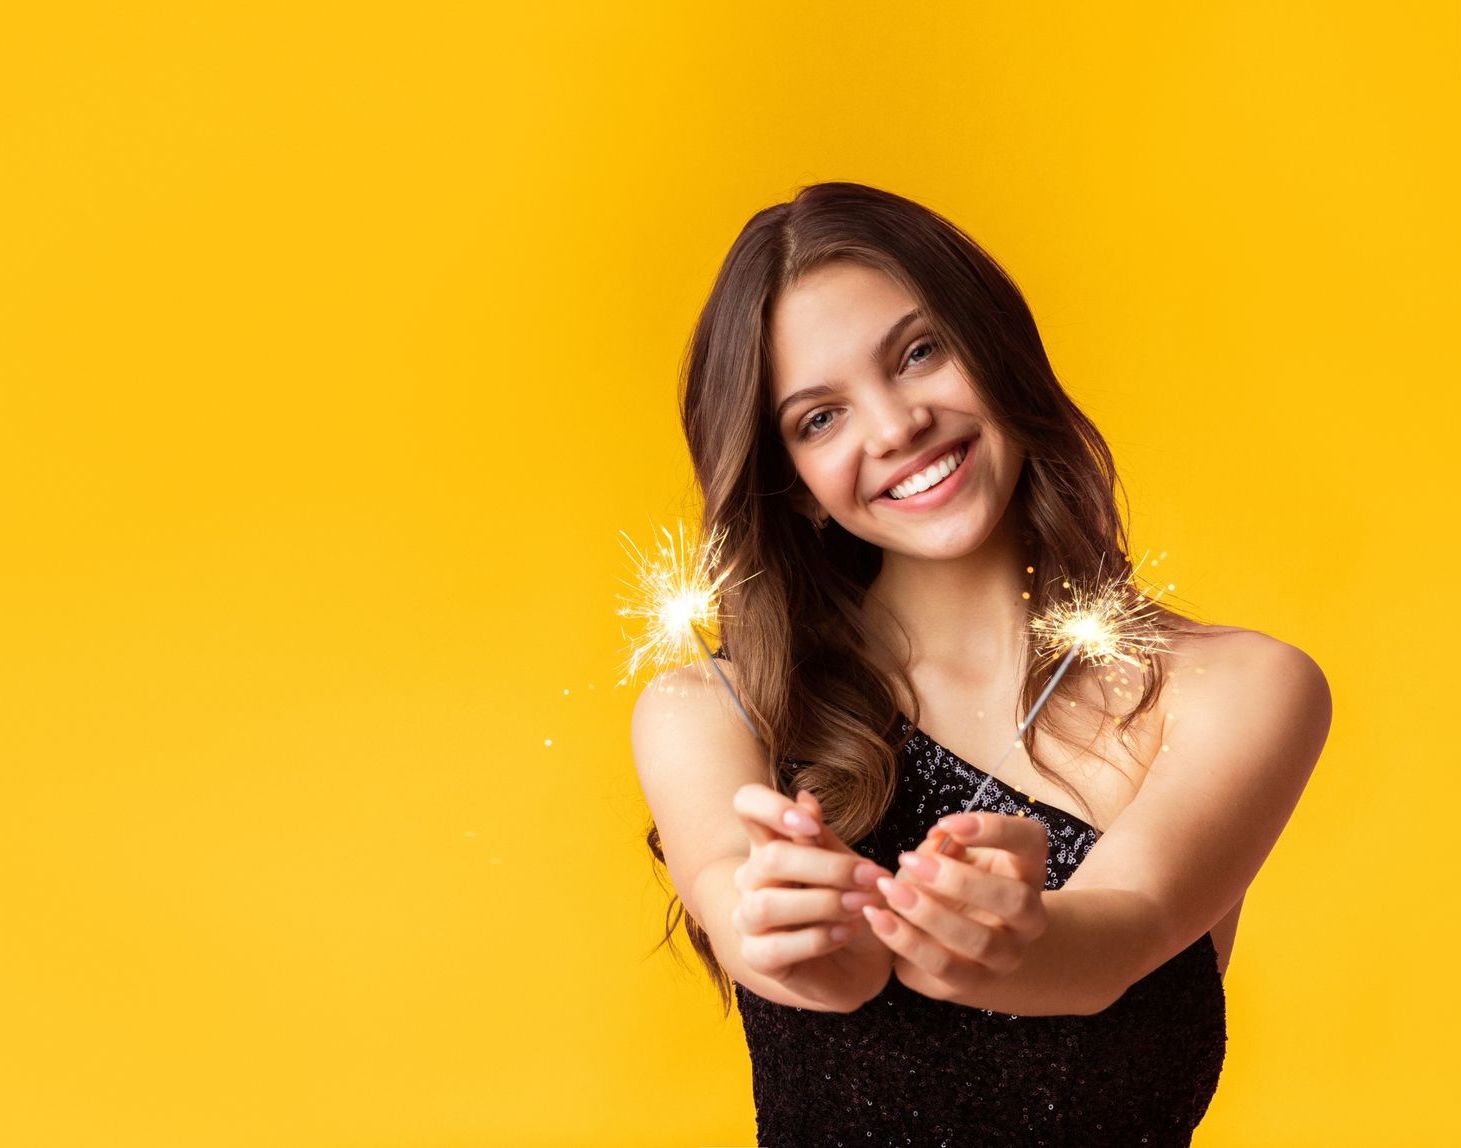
901, 482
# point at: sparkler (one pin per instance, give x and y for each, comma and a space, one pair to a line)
677, 594
1112, 621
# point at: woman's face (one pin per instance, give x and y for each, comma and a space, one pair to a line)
884, 409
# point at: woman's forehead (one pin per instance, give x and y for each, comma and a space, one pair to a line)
822, 329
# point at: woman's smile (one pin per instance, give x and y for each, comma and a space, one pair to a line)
940, 492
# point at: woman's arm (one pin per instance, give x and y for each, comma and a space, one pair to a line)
693, 756
1076, 967
1243, 739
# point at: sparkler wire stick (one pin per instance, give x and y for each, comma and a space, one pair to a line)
1103, 623
725, 681
943, 846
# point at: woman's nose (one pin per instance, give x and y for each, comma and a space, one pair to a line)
896, 425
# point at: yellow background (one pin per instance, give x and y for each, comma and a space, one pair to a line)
337, 342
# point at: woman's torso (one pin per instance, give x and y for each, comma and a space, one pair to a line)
907, 1069
972, 715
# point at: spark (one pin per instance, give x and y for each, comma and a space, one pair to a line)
677, 596
1114, 621
1107, 621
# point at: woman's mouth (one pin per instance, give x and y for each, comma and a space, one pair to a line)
935, 484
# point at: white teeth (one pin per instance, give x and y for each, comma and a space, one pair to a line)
930, 476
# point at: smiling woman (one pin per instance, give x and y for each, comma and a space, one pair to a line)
901, 482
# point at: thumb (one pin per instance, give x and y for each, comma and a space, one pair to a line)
826, 839
807, 800
939, 840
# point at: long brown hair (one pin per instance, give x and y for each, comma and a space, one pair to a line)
829, 719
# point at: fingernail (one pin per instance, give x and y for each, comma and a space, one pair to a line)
900, 895
867, 874
801, 822
919, 865
840, 932
883, 926
854, 901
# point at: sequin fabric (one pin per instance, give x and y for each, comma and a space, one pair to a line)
908, 1070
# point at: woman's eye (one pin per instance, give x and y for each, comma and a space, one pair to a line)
932, 346
809, 426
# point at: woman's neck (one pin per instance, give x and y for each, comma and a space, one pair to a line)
964, 617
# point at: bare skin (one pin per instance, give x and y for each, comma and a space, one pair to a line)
948, 602
972, 714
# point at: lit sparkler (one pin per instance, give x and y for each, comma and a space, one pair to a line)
677, 594
1113, 621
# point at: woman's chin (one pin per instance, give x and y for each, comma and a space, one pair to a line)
935, 544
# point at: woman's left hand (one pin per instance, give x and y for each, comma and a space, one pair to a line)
973, 911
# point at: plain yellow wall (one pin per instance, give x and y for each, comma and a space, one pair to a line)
338, 342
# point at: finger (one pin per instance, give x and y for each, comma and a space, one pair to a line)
769, 907
810, 865
911, 946
763, 813
771, 952
937, 939
827, 839
1024, 840
807, 801
993, 898
996, 831
939, 841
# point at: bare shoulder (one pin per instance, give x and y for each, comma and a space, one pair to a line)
1218, 671
687, 698
1232, 688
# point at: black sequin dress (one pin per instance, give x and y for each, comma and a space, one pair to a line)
905, 1069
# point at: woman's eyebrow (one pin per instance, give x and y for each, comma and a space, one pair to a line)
879, 352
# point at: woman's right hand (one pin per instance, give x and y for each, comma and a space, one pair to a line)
799, 914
